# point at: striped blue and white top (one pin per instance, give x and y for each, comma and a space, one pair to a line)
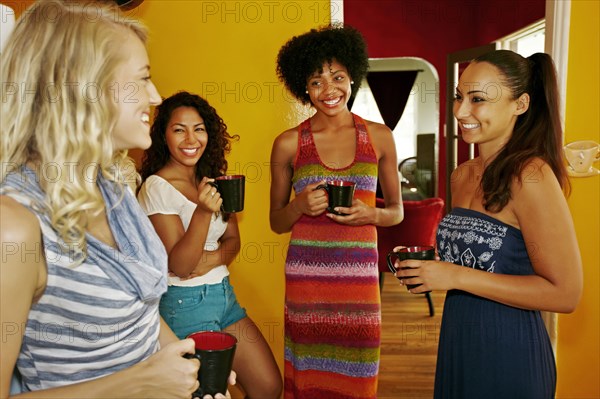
101, 316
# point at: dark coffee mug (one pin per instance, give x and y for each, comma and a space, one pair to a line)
215, 350
419, 252
339, 193
232, 190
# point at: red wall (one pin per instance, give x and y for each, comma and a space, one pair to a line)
430, 29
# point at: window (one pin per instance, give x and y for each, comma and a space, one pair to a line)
526, 41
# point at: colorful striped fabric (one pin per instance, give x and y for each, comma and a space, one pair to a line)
332, 310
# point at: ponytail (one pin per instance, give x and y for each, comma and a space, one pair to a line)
546, 112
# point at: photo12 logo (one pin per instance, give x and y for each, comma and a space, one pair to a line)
252, 12
55, 92
92, 12
247, 92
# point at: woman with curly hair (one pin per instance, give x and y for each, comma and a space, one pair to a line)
189, 144
332, 308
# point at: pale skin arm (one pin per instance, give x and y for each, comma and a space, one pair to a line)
549, 233
185, 248
166, 335
393, 213
165, 374
283, 212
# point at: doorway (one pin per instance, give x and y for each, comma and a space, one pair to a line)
403, 94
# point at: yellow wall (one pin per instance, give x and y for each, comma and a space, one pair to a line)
226, 51
578, 357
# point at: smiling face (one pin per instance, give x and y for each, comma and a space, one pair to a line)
135, 94
484, 107
186, 136
330, 90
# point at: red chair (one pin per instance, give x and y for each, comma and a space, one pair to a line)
421, 219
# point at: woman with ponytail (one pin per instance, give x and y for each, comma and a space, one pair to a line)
507, 249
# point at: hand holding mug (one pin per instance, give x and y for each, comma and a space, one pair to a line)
209, 198
231, 380
232, 190
167, 374
421, 252
340, 193
425, 275
310, 201
215, 350
358, 214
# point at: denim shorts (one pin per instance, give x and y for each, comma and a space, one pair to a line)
208, 307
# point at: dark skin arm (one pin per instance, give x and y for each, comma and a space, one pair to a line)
284, 213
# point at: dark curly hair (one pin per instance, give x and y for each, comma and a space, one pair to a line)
213, 162
304, 55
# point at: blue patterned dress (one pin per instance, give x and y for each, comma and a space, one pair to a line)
487, 349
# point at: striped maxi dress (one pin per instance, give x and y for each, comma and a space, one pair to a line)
332, 305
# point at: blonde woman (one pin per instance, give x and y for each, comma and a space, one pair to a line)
82, 269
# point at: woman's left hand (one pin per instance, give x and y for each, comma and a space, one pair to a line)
433, 275
209, 198
231, 381
358, 214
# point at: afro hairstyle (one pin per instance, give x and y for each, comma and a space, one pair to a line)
304, 55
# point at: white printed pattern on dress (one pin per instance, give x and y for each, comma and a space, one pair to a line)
456, 228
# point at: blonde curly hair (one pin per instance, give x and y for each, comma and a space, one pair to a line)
57, 109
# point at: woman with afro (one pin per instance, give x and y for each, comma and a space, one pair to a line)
189, 144
332, 305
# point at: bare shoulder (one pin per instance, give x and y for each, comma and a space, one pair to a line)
378, 129
467, 172
285, 144
536, 170
537, 184
17, 222
288, 137
381, 138
471, 164
23, 272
